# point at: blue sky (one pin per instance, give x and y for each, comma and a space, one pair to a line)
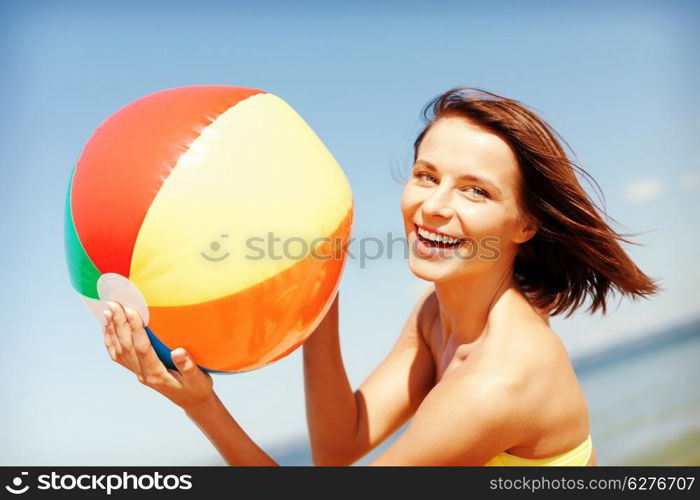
619, 82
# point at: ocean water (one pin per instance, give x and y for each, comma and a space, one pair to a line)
645, 405
643, 399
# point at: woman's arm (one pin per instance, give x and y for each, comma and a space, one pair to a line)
234, 445
188, 387
345, 425
467, 419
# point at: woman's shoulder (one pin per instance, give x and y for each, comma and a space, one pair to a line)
536, 363
537, 346
531, 352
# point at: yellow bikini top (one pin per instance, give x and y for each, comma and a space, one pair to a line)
578, 456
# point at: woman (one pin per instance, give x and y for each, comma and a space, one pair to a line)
498, 222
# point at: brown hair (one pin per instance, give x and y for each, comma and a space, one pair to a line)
574, 253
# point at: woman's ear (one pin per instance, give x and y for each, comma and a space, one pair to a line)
528, 228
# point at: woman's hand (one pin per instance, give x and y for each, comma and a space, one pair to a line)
128, 344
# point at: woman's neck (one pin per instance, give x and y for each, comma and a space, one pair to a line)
466, 303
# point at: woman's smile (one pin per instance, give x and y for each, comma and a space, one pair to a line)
430, 243
433, 235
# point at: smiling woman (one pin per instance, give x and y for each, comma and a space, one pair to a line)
499, 224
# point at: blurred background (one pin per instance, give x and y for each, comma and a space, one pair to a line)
619, 80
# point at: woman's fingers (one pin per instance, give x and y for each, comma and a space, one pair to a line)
111, 332
109, 345
183, 363
152, 372
111, 342
123, 334
190, 372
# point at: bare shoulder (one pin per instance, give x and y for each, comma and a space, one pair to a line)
538, 349
535, 367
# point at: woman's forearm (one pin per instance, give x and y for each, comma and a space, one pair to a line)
331, 407
234, 445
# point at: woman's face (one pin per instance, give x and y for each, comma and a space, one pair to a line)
463, 185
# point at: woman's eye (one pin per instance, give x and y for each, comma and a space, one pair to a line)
425, 177
478, 192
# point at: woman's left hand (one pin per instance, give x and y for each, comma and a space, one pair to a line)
128, 344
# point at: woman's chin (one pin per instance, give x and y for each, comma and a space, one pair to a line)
428, 270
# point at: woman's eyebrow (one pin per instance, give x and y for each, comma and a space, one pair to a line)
465, 177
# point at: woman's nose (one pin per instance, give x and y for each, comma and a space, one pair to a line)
439, 203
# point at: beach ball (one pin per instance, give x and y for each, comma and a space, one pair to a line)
216, 213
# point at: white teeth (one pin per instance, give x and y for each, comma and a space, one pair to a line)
427, 235
435, 237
